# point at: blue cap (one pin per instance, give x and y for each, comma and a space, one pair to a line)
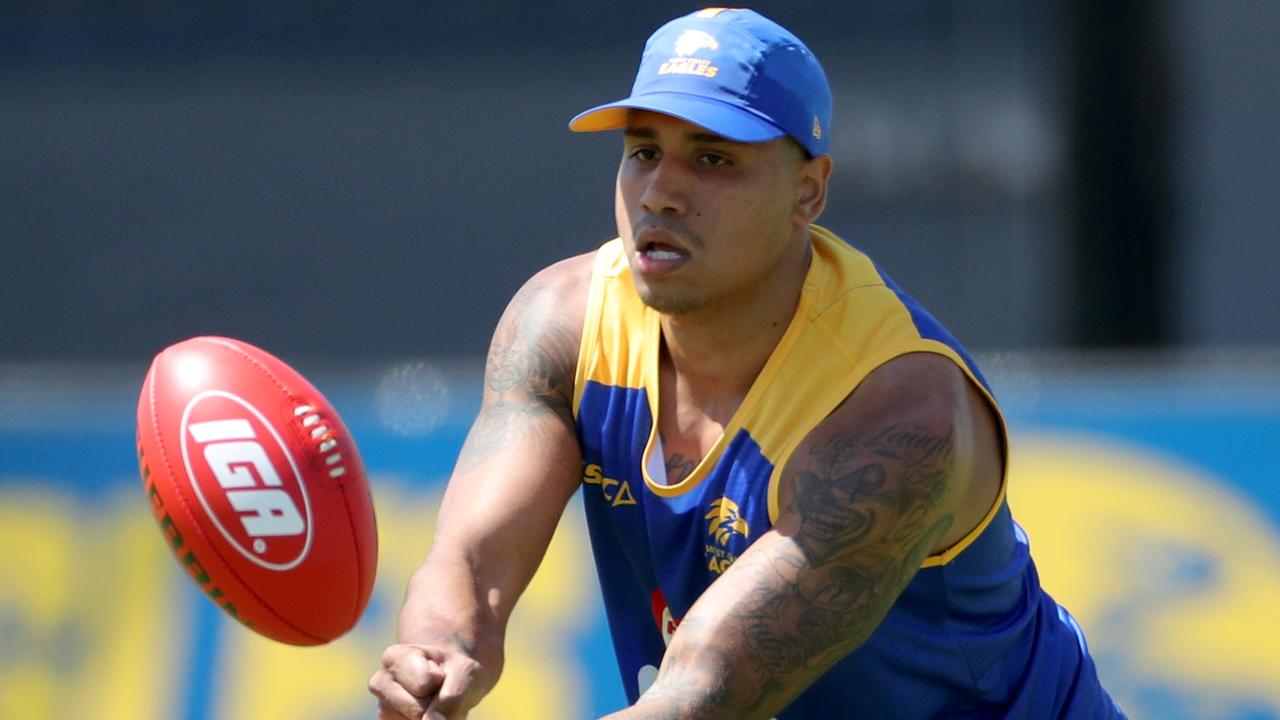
735, 73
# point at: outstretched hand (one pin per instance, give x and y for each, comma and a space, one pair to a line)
431, 682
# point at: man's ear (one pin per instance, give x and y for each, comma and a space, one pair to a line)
811, 190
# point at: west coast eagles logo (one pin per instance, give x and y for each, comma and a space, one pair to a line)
724, 520
690, 42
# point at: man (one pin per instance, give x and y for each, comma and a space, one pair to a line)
793, 476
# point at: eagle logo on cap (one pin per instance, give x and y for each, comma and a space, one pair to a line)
691, 41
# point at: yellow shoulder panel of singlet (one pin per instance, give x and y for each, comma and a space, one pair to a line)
854, 323
613, 351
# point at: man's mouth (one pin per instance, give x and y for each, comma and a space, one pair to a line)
660, 243
661, 251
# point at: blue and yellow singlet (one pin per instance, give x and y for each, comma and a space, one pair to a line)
972, 636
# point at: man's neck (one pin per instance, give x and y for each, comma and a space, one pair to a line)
719, 351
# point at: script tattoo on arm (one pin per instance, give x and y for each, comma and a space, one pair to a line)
865, 510
528, 374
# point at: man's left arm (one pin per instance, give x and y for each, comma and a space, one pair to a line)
902, 469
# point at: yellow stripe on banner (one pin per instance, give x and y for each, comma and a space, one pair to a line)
1172, 572
125, 681
86, 591
37, 544
265, 679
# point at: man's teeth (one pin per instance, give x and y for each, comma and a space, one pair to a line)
662, 254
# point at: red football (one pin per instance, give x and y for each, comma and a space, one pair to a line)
258, 489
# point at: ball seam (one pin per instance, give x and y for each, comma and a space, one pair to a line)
341, 485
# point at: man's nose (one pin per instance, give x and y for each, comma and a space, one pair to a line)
667, 190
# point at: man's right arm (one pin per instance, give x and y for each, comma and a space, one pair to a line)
518, 468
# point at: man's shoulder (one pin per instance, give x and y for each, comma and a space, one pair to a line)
558, 290
914, 381
918, 398
569, 275
544, 318
534, 349
923, 411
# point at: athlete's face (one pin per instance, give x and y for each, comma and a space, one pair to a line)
706, 220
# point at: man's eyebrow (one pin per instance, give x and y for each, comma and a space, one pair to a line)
647, 133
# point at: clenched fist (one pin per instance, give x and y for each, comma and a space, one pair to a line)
435, 682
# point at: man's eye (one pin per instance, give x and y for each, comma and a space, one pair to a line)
714, 160
644, 154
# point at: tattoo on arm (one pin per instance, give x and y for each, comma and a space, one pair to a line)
528, 373
865, 511
866, 521
679, 467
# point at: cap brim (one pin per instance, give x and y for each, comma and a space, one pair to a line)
721, 118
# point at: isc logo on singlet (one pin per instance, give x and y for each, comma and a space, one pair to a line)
263, 509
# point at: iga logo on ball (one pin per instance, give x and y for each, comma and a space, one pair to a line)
258, 488
263, 496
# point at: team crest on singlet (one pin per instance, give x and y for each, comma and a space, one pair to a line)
724, 522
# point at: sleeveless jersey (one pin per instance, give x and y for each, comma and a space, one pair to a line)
972, 636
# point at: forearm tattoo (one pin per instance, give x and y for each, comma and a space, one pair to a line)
865, 512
